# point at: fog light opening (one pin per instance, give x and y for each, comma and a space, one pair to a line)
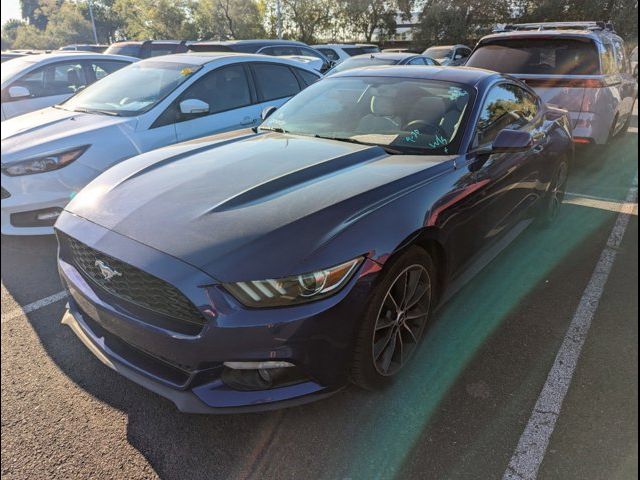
249, 376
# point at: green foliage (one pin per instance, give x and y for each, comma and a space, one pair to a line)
228, 19
53, 23
155, 19
65, 25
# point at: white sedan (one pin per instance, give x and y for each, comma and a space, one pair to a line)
48, 155
32, 82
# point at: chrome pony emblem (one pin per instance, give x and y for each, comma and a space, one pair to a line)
106, 271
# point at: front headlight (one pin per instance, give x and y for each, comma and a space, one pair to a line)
296, 289
45, 163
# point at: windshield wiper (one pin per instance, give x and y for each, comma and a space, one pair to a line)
92, 110
386, 148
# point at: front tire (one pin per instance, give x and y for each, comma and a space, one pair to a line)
399, 309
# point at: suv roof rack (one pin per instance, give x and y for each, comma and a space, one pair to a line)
596, 25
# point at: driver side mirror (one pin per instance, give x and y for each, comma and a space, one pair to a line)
193, 106
267, 112
512, 141
19, 92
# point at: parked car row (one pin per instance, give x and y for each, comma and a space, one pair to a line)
239, 232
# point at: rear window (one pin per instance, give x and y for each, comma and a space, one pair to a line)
533, 56
130, 50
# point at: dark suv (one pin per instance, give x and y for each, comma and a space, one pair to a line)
275, 48
147, 48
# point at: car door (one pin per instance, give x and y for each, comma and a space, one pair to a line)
47, 85
231, 104
275, 84
506, 184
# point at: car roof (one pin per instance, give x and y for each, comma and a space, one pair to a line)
567, 33
345, 45
248, 42
204, 58
388, 55
75, 55
465, 75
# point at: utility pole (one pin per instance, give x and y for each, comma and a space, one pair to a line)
93, 22
279, 19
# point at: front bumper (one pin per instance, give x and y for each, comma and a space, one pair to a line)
188, 369
28, 193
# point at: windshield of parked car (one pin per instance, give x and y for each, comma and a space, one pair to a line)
538, 56
364, 61
15, 67
405, 116
439, 53
132, 90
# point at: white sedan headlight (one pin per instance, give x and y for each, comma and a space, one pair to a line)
45, 163
295, 289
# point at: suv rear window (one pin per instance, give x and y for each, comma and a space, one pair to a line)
129, 49
533, 56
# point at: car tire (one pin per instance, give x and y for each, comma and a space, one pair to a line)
625, 128
555, 195
394, 317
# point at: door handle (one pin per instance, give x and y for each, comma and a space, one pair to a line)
247, 121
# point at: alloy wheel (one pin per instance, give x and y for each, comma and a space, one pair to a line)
401, 319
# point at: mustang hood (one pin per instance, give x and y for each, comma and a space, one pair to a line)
254, 206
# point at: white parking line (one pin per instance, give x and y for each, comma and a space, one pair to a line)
533, 443
33, 306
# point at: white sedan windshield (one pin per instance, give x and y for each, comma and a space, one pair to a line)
133, 89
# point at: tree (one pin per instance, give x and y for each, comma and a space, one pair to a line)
156, 19
365, 17
37, 11
309, 18
460, 21
9, 32
228, 19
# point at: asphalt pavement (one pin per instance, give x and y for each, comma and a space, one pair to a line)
459, 412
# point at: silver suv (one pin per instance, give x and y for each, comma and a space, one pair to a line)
579, 66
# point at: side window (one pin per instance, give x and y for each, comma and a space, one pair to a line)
417, 61
310, 52
226, 88
103, 68
609, 64
464, 52
63, 78
330, 54
275, 81
506, 106
280, 51
622, 62
308, 78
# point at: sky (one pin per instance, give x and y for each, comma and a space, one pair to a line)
10, 9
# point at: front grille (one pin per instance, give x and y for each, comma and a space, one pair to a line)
5, 193
132, 284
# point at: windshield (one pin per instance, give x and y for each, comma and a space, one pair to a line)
358, 62
133, 89
408, 116
15, 67
439, 53
538, 56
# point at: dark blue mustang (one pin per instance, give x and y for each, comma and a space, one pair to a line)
258, 269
